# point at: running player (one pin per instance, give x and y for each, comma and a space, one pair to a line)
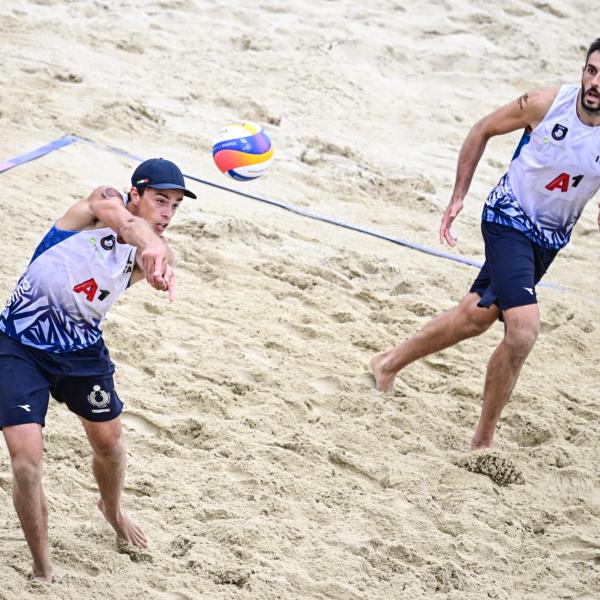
527, 218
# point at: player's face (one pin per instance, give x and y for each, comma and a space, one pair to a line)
157, 207
590, 84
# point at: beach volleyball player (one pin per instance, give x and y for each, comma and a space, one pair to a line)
527, 218
51, 338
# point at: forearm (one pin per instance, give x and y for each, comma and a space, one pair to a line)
136, 232
468, 159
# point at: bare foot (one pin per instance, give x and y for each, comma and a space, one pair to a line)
384, 381
44, 575
125, 528
480, 445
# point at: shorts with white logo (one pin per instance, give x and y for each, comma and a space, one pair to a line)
83, 380
513, 266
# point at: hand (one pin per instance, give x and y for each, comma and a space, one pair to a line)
154, 261
170, 279
447, 219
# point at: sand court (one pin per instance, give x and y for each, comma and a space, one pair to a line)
262, 463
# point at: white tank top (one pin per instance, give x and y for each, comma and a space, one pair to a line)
553, 173
74, 277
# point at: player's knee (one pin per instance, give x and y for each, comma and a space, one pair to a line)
522, 338
27, 469
477, 320
106, 438
109, 447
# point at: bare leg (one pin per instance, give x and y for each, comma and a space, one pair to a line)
461, 322
521, 328
25, 446
109, 465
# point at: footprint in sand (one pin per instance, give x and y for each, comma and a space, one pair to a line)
181, 546
136, 555
344, 464
577, 549
140, 424
241, 478
343, 317
573, 480
325, 385
502, 471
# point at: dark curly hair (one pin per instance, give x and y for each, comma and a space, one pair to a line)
595, 46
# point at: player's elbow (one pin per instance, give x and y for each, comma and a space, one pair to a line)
108, 208
483, 130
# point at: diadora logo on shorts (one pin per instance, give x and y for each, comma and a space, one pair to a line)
99, 399
530, 290
25, 407
559, 132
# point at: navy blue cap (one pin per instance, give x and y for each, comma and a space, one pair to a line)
160, 174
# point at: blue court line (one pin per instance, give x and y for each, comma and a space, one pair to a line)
67, 140
306, 213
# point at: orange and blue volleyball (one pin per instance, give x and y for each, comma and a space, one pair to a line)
242, 151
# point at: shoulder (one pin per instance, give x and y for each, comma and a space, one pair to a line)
86, 213
535, 104
540, 99
526, 112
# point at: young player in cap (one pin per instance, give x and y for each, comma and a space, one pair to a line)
51, 338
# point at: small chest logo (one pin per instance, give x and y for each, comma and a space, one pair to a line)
108, 242
559, 132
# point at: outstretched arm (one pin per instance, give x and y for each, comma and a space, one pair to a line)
169, 275
105, 205
524, 113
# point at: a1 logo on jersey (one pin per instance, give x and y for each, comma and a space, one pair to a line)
89, 287
563, 181
559, 132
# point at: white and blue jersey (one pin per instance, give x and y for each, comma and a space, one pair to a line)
74, 277
553, 173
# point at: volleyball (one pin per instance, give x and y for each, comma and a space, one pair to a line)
242, 151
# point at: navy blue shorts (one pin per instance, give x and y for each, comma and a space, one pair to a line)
83, 380
513, 266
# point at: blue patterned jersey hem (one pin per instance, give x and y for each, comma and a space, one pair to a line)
501, 207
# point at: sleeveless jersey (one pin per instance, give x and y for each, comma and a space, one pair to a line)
553, 173
74, 277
